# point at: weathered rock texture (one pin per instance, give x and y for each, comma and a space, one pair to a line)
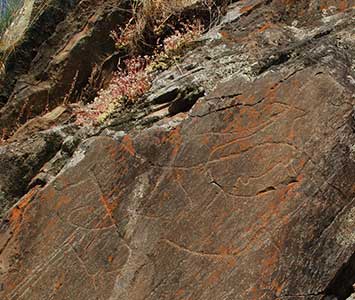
249, 195
66, 44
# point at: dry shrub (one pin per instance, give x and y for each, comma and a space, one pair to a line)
126, 86
156, 19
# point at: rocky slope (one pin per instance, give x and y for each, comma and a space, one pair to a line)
233, 178
66, 42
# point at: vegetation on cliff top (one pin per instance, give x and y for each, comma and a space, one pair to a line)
154, 39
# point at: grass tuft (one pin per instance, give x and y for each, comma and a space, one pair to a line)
8, 11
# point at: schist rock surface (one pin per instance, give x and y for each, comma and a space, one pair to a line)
65, 43
250, 194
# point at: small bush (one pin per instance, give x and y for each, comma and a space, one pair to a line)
173, 46
154, 20
126, 86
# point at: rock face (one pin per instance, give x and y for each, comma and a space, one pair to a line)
21, 162
66, 44
249, 195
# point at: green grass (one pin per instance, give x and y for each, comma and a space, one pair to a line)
9, 14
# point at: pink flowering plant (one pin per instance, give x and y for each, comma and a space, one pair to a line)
127, 85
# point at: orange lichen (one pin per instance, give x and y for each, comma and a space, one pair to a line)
127, 144
49, 194
223, 250
228, 116
107, 205
105, 222
59, 282
265, 27
180, 292
48, 230
205, 140
247, 8
270, 260
174, 138
214, 277
16, 213
292, 134
114, 151
62, 201
277, 287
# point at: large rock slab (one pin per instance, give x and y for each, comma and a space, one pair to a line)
251, 197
